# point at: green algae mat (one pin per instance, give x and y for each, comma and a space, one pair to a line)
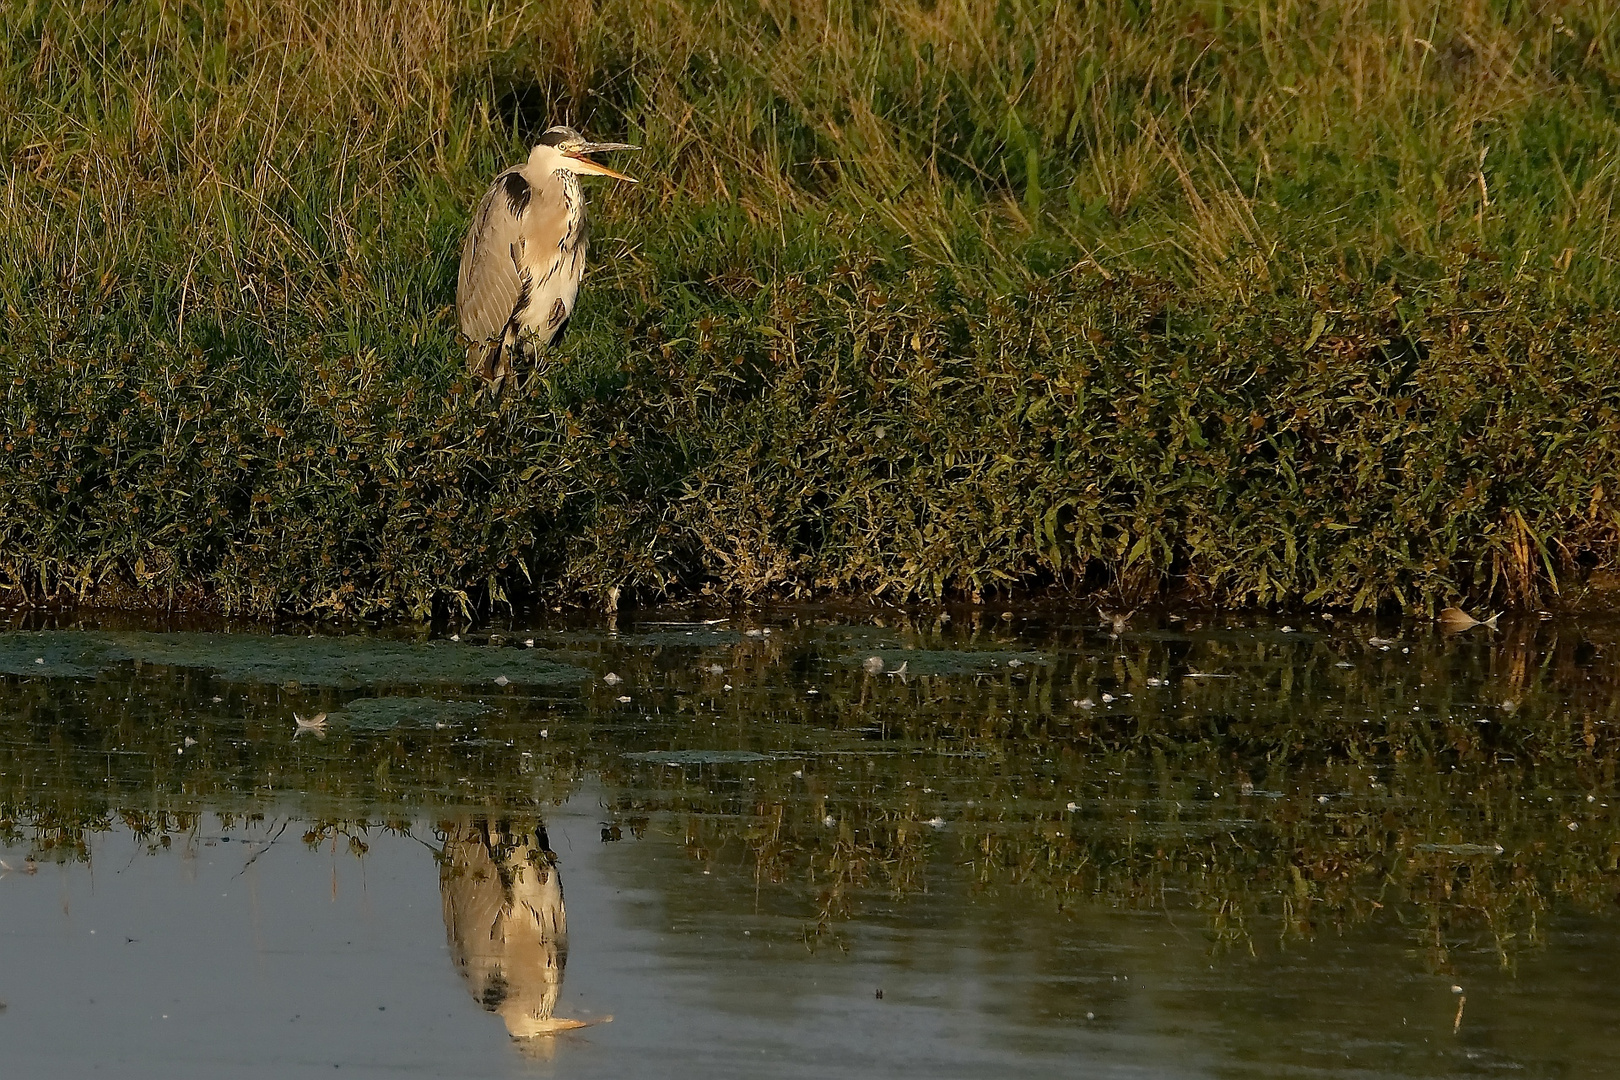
339, 662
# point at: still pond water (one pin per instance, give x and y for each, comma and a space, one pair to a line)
810, 844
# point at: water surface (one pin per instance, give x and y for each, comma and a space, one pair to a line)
809, 844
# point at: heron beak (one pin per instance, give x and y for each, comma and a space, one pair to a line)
586, 166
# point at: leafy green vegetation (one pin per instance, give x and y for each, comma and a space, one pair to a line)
1260, 303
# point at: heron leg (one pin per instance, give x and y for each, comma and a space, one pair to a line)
511, 345
485, 358
539, 348
495, 361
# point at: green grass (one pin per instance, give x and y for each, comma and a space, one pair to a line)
1264, 303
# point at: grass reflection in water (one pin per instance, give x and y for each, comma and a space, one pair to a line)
1457, 787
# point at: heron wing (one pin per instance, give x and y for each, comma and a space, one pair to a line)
489, 286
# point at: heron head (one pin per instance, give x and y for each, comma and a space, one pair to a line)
574, 151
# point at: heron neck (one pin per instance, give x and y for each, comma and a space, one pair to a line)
574, 199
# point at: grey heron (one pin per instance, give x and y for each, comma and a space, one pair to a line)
525, 252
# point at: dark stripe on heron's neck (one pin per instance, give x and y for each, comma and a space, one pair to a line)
574, 205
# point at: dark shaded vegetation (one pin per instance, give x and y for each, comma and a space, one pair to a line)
1298, 303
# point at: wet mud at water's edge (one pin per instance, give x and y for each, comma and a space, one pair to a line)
1196, 846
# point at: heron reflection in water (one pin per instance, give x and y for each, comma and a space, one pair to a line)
503, 913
